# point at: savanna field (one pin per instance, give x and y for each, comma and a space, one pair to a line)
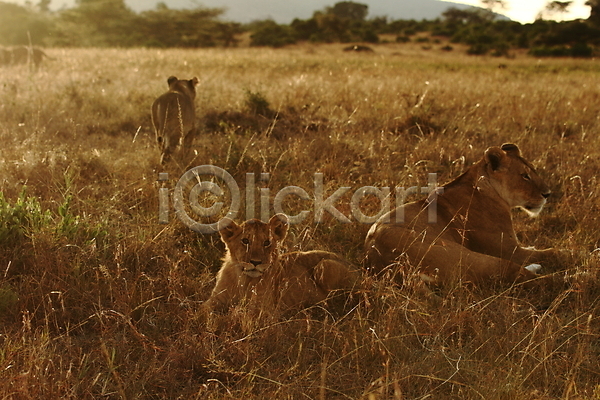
98, 300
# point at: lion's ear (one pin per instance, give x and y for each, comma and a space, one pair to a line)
278, 224
494, 156
228, 229
194, 81
511, 149
171, 80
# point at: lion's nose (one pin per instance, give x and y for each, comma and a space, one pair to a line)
546, 195
255, 262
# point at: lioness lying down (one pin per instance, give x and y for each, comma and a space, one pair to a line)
473, 238
254, 270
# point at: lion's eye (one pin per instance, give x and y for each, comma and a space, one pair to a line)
245, 241
526, 176
267, 243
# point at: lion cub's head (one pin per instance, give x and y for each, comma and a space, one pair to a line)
254, 245
515, 179
186, 87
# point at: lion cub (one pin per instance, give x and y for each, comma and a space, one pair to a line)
174, 117
254, 270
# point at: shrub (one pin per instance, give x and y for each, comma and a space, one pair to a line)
22, 217
369, 36
478, 49
269, 33
256, 104
580, 50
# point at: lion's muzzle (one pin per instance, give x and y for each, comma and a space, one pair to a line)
253, 269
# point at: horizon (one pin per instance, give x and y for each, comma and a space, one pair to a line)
524, 12
527, 12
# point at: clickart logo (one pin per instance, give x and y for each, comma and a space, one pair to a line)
206, 192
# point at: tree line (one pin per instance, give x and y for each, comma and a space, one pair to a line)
112, 23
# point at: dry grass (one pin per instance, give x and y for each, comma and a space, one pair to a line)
99, 300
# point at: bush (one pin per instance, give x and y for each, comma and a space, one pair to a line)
22, 217
478, 49
501, 49
256, 104
580, 50
369, 36
269, 33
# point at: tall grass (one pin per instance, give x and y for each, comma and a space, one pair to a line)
99, 300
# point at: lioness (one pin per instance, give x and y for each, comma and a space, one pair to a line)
5, 56
25, 54
254, 270
473, 238
174, 117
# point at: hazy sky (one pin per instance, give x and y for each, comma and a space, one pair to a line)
526, 10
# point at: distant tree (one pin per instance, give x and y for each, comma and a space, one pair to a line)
559, 6
269, 33
305, 29
44, 5
555, 8
331, 28
494, 5
378, 24
464, 16
198, 27
20, 25
96, 23
367, 34
407, 27
349, 10
344, 22
595, 11
226, 33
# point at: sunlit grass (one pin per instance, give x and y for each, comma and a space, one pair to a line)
100, 300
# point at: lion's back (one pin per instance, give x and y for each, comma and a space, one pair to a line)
172, 110
315, 274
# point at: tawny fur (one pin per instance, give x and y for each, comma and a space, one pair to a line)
473, 238
22, 55
174, 117
254, 271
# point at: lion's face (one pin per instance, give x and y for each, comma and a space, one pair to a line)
254, 245
515, 179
